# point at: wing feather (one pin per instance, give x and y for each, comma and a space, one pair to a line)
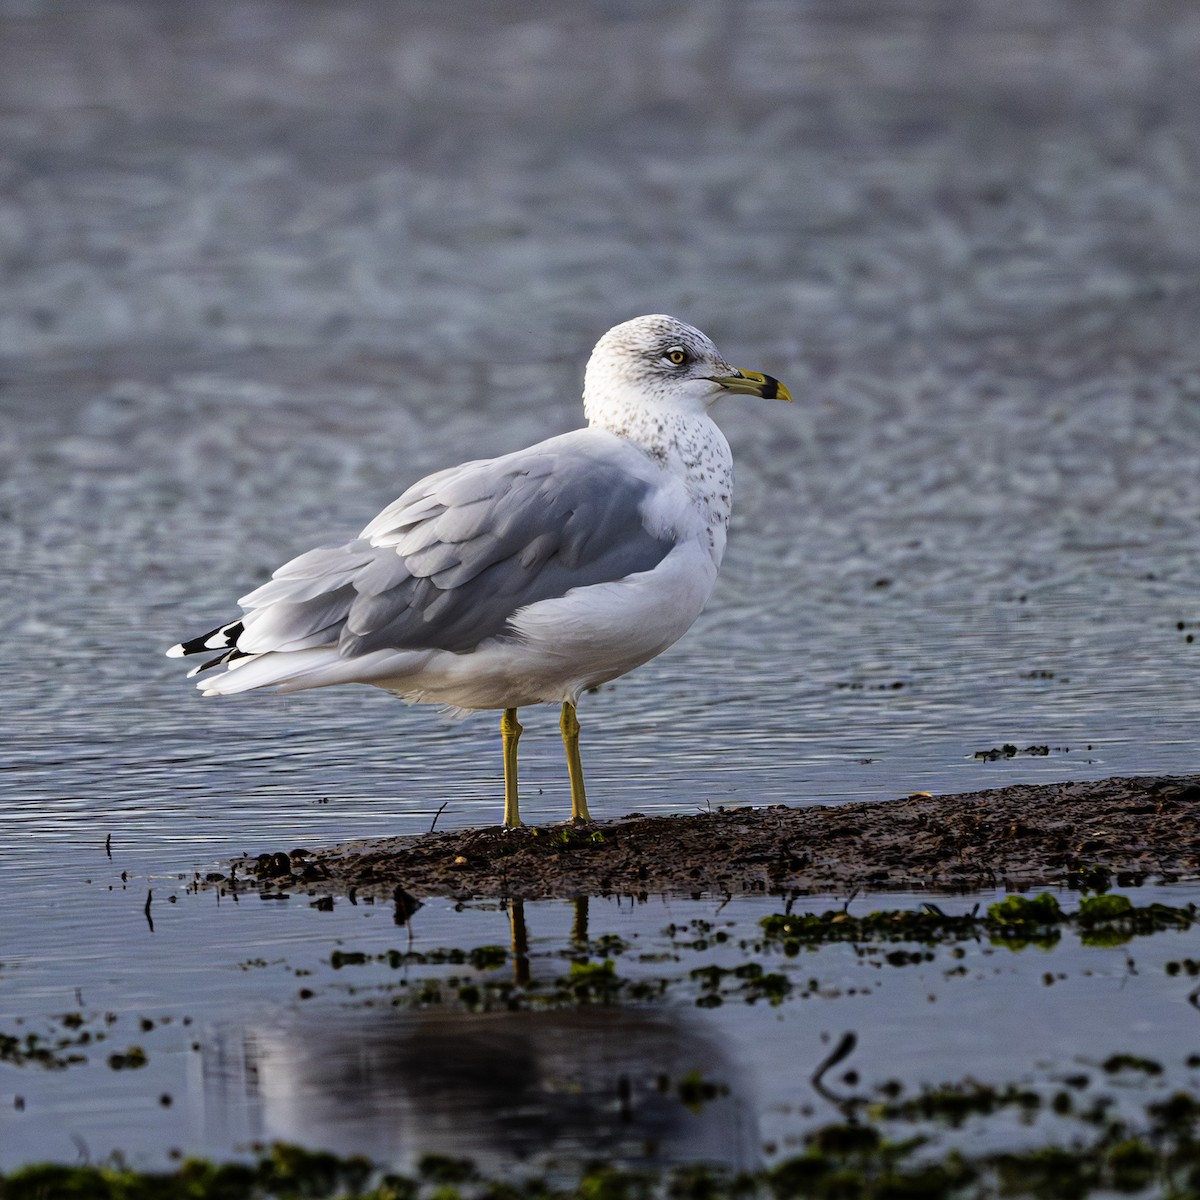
452, 560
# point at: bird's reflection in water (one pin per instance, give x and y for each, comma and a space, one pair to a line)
504, 1088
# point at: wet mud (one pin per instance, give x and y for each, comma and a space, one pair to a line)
1082, 834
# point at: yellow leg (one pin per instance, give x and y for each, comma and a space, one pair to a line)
510, 734
569, 724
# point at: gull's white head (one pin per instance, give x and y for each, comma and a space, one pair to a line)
661, 363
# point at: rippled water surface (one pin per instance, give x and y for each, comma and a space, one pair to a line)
275, 1021
264, 265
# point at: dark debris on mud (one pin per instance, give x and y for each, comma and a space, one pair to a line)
1086, 835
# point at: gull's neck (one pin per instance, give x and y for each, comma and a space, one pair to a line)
685, 442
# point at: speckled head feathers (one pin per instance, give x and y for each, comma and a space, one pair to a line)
653, 361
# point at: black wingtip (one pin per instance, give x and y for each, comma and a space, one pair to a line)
221, 660
224, 637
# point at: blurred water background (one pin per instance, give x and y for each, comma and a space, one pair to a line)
265, 263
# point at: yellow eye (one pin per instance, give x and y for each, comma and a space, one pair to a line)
676, 357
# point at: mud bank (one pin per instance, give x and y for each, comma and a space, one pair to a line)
1082, 834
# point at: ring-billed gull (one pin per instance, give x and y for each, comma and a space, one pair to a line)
524, 579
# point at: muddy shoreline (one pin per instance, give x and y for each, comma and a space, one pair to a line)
1089, 834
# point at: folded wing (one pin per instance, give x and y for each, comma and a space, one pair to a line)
449, 563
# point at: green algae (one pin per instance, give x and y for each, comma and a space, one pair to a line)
57, 1050
748, 982
1016, 923
905, 937
929, 926
885, 1150
131, 1059
584, 985
482, 958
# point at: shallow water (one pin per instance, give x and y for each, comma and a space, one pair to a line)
263, 267
258, 1031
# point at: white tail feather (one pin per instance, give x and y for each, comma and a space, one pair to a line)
296, 670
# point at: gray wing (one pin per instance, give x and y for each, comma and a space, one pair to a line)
450, 562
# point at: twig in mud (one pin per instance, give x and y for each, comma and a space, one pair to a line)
437, 814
